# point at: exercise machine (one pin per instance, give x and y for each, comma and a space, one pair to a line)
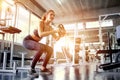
116, 63
12, 68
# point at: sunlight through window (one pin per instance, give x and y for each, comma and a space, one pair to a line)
95, 24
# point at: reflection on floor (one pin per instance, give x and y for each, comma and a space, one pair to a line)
66, 72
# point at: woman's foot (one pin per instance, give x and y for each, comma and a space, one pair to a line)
45, 70
32, 71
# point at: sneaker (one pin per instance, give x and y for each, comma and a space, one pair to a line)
32, 71
46, 71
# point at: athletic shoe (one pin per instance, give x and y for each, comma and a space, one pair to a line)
45, 71
33, 73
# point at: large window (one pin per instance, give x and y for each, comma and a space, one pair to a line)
69, 26
25, 20
6, 17
96, 24
73, 26
34, 22
22, 23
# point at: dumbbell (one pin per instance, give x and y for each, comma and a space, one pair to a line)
62, 30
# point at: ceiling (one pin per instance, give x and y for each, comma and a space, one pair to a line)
68, 11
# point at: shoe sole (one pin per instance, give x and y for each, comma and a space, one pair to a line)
34, 75
47, 73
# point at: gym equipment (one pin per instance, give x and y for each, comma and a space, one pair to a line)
62, 30
112, 51
77, 49
10, 30
111, 64
116, 64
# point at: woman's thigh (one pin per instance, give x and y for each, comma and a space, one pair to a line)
33, 45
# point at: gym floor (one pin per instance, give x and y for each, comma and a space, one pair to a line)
86, 71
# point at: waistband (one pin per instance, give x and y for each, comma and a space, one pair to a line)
29, 37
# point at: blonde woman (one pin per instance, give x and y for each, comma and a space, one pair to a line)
32, 41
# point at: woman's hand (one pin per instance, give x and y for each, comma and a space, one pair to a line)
57, 30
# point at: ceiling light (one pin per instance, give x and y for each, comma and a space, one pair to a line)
59, 1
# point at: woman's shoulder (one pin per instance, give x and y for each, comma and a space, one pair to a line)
41, 21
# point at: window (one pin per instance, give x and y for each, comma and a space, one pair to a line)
22, 23
95, 24
34, 22
25, 20
6, 17
70, 26
80, 26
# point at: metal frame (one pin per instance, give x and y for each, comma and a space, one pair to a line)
12, 64
100, 30
100, 27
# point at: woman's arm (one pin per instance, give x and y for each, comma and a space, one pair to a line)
43, 33
56, 36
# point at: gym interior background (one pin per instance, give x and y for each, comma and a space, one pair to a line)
90, 29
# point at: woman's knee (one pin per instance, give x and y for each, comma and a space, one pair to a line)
50, 50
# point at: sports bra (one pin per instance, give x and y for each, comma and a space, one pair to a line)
36, 33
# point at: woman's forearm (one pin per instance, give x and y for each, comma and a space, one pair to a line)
47, 33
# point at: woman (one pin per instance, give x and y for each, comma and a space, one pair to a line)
32, 41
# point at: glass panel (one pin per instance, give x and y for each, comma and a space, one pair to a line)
34, 22
80, 26
95, 24
107, 23
69, 26
22, 20
22, 24
7, 17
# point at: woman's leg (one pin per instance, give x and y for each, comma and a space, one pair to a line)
38, 47
35, 59
49, 51
43, 48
